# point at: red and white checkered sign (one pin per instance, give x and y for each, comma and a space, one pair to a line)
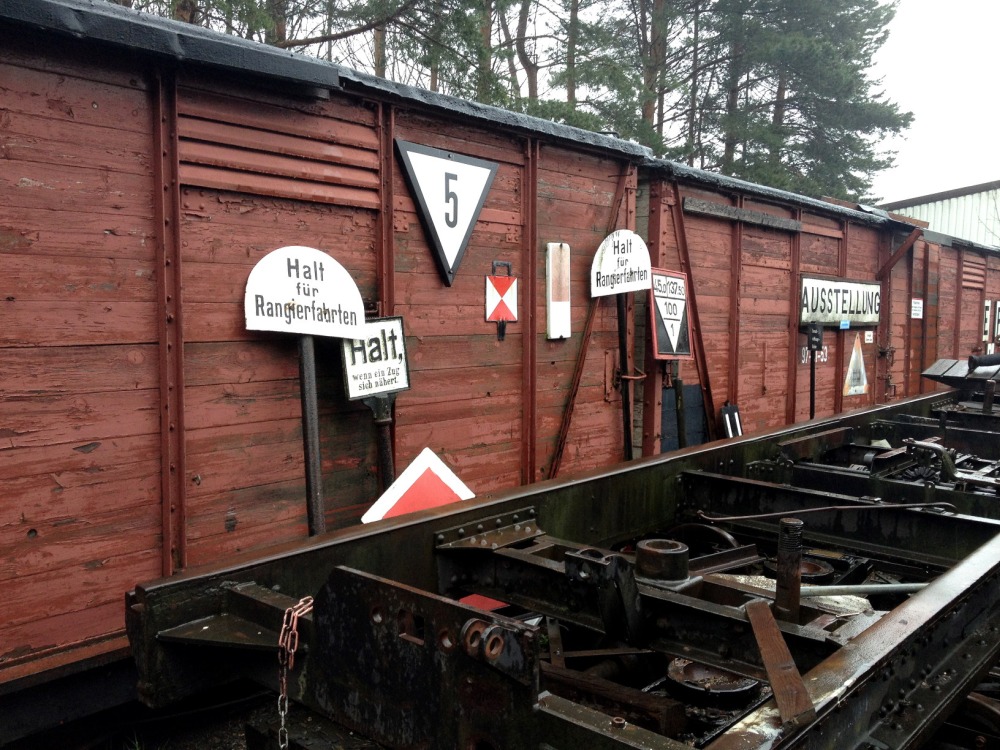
501, 299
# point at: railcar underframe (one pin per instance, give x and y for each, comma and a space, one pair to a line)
708, 598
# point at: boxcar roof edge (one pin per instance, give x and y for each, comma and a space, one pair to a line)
114, 25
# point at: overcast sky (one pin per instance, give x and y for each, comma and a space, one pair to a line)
940, 64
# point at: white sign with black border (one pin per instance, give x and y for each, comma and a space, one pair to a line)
376, 362
671, 326
449, 190
840, 303
621, 264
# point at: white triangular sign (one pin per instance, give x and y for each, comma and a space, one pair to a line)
449, 190
856, 382
671, 320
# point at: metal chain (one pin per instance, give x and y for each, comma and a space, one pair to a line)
288, 644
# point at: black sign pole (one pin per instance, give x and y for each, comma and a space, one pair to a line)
310, 436
812, 384
814, 340
624, 378
679, 404
381, 407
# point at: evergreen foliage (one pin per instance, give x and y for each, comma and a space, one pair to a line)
778, 92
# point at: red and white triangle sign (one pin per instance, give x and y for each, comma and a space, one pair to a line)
501, 299
426, 483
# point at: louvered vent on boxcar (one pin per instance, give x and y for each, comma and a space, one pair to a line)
269, 150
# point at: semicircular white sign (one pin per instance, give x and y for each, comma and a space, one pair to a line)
621, 264
298, 289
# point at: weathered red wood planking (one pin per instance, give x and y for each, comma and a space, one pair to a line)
81, 423
118, 106
53, 635
354, 124
36, 138
451, 134
226, 156
242, 136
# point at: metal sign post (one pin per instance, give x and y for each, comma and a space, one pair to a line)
310, 436
375, 369
621, 265
670, 329
381, 407
303, 290
814, 335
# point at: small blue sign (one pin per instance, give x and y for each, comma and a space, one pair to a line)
844, 325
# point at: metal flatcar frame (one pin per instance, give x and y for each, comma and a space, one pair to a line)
890, 686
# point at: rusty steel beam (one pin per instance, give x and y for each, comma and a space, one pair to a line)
529, 364
794, 704
170, 328
588, 330
701, 360
895, 683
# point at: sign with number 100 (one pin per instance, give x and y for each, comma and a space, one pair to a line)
450, 190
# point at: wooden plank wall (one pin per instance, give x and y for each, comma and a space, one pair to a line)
577, 205
80, 459
465, 401
309, 175
710, 245
820, 250
746, 276
864, 257
953, 282
762, 353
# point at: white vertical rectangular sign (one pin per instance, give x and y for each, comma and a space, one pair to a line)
557, 278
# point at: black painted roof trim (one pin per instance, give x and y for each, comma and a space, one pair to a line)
96, 20
861, 214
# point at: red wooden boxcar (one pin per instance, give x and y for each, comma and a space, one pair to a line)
149, 165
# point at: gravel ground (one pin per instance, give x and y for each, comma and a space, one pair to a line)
197, 725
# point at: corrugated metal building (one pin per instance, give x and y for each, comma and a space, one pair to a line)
969, 213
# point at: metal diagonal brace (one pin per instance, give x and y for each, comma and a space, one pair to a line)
794, 704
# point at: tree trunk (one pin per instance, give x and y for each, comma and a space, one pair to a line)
186, 11
656, 58
378, 54
695, 73
730, 138
571, 42
435, 60
485, 53
277, 15
528, 65
778, 120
